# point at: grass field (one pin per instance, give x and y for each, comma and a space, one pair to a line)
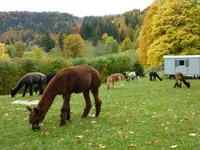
148, 115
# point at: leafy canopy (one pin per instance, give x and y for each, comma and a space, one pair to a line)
170, 28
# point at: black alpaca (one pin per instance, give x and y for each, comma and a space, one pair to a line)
179, 79
153, 76
49, 76
27, 81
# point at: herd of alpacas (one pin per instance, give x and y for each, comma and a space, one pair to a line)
77, 79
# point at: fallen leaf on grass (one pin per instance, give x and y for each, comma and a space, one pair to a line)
132, 145
174, 146
124, 137
6, 115
187, 118
93, 121
101, 146
131, 132
192, 134
79, 136
61, 139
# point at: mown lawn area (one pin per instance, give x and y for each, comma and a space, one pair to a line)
148, 115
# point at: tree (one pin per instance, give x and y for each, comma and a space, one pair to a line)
60, 40
2, 50
73, 46
19, 48
46, 42
38, 53
104, 37
112, 45
11, 50
126, 45
173, 29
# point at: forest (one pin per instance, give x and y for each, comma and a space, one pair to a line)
166, 27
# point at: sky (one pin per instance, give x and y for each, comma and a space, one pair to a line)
78, 8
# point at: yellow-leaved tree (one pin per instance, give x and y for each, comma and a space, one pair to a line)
2, 51
38, 53
174, 29
73, 46
104, 37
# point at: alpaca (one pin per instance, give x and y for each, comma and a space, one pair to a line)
179, 79
153, 76
49, 76
131, 75
28, 80
115, 77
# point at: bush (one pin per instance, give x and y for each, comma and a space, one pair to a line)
138, 67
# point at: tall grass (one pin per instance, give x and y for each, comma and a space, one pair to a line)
149, 115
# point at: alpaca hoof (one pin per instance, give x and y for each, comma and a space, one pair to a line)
62, 122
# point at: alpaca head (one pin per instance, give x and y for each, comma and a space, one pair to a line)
35, 118
188, 84
12, 93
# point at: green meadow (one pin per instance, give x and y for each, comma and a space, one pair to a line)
148, 115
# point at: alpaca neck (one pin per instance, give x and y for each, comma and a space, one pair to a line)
46, 100
185, 82
17, 88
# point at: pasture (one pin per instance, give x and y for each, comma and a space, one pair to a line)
147, 115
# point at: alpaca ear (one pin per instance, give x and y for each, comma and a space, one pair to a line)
36, 110
30, 109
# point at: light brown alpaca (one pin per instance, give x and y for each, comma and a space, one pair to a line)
115, 77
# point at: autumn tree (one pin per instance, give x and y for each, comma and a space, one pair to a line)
38, 53
73, 46
19, 48
104, 37
2, 50
112, 45
174, 29
126, 45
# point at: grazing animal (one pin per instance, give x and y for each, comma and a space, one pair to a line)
28, 80
77, 79
115, 77
131, 75
179, 79
49, 76
153, 76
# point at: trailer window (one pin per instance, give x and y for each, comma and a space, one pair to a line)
181, 63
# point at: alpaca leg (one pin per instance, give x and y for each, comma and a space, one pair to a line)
24, 92
88, 104
138, 79
121, 83
176, 84
180, 84
31, 90
112, 83
150, 78
41, 88
65, 110
98, 102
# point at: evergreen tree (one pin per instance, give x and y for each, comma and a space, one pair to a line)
60, 40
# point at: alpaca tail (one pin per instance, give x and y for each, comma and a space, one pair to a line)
158, 77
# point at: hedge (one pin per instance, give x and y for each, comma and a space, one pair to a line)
11, 70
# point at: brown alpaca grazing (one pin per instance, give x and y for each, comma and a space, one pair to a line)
179, 79
78, 79
115, 77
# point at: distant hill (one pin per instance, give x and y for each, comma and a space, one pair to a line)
39, 22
